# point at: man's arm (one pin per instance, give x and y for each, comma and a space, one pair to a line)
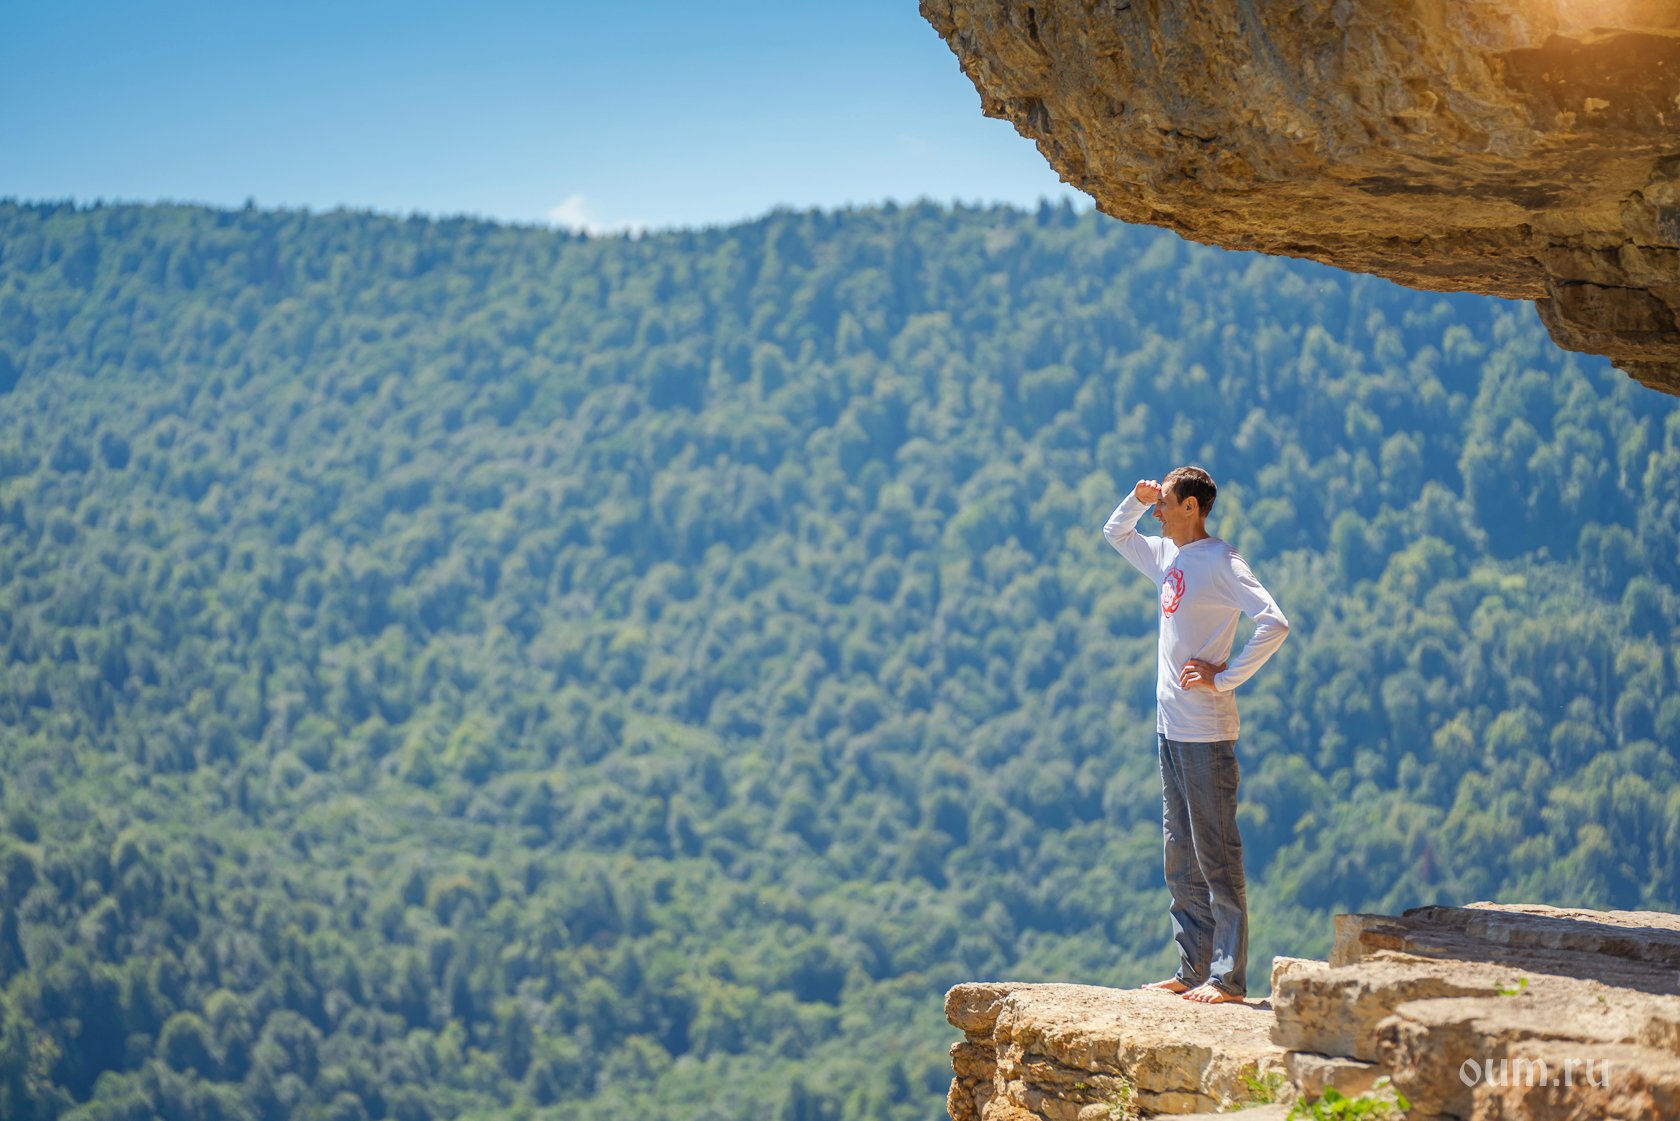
1271, 627
1121, 530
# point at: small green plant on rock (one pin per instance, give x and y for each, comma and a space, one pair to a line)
1522, 983
1382, 1102
1117, 1097
1263, 1089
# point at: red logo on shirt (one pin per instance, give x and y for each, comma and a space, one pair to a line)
1172, 590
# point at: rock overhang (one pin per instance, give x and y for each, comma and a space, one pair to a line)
1527, 149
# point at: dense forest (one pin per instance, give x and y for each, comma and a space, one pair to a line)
453, 669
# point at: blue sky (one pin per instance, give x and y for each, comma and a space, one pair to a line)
602, 115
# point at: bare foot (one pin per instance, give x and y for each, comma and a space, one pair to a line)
1171, 985
1211, 994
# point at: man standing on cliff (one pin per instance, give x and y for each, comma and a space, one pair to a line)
1204, 584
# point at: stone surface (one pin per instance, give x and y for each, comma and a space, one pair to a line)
1066, 1052
1313, 1074
1406, 1018
1248, 1113
1537, 1055
1444, 997
1630, 949
1528, 149
1488, 1012
1338, 1010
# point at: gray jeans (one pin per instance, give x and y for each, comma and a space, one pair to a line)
1203, 860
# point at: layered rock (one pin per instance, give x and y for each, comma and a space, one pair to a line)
1061, 1052
1492, 1011
1480, 1013
1528, 149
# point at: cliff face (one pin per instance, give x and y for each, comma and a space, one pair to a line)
1528, 149
1480, 1013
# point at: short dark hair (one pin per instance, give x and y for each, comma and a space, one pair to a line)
1191, 482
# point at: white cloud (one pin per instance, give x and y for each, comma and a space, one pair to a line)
575, 213
917, 147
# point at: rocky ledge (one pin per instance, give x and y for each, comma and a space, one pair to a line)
1482, 1013
1520, 148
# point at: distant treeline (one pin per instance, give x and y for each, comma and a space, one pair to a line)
464, 670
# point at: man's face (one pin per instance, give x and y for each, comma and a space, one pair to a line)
1177, 516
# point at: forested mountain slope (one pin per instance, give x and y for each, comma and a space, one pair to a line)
459, 669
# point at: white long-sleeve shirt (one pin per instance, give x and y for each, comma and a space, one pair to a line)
1204, 587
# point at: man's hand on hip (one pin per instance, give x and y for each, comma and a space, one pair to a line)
1198, 674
